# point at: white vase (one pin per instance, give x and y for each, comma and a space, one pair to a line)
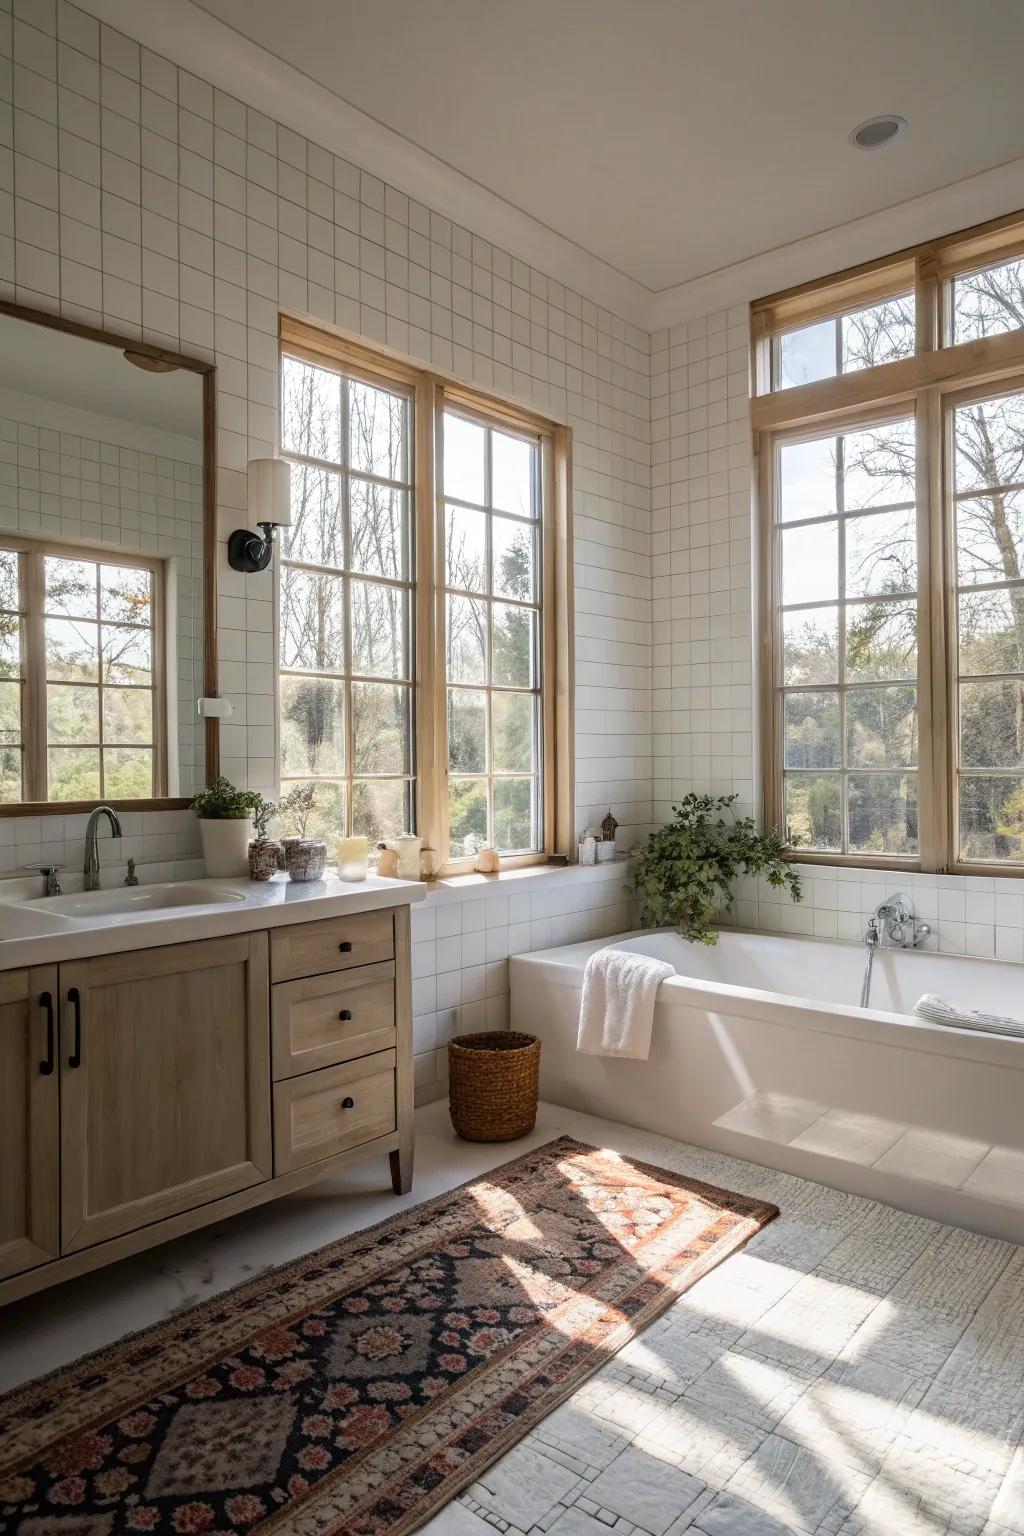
225, 846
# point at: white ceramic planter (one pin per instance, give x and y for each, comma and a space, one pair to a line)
225, 846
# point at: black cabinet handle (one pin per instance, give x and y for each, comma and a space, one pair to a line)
75, 1059
348, 1103
344, 948
46, 1001
345, 1015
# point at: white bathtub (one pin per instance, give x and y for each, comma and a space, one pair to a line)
760, 1050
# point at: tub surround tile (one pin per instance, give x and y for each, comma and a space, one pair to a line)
940, 1158
853, 1138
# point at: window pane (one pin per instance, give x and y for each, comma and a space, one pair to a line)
72, 650
515, 819
125, 594
9, 579
463, 459
313, 810
310, 410
10, 645
127, 655
513, 646
127, 716
807, 479
70, 587
812, 730
378, 431
465, 545
990, 538
73, 773
10, 713
379, 521
991, 818
312, 621
312, 726
808, 354
881, 728
881, 553
467, 817
73, 714
880, 334
128, 772
814, 810
882, 810
513, 732
991, 631
380, 728
512, 462
466, 640
381, 808
992, 724
987, 302
378, 629
513, 560
989, 441
879, 465
467, 730
316, 535
810, 646
881, 641
810, 563
10, 775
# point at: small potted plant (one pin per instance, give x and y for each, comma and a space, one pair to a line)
225, 825
264, 852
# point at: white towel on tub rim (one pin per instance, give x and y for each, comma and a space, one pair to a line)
620, 988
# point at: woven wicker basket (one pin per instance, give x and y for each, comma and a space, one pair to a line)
493, 1085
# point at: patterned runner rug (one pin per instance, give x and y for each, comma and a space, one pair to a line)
356, 1390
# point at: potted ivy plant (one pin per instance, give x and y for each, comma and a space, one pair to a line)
264, 852
686, 871
225, 825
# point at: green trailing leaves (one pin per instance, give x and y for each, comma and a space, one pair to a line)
686, 872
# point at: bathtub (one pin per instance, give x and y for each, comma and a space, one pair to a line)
761, 1051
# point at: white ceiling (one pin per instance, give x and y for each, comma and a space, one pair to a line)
672, 138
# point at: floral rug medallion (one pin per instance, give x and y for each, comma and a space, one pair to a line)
354, 1391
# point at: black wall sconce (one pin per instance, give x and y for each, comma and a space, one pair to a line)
270, 506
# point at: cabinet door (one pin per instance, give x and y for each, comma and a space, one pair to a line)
165, 1083
28, 1119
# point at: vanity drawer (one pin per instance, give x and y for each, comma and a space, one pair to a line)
333, 944
322, 1020
327, 1112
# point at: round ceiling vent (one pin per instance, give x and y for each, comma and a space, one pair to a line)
878, 131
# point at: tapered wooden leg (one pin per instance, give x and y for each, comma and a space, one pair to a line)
401, 1168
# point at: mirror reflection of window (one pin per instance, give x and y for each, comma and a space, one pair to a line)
101, 571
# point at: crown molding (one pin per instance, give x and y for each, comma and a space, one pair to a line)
957, 206
181, 31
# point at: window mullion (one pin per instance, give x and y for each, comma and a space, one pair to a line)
35, 679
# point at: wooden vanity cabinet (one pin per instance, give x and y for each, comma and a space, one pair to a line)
145, 1094
165, 1083
29, 1232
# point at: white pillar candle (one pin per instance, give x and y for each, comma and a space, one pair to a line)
352, 857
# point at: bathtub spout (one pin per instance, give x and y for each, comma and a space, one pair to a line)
871, 941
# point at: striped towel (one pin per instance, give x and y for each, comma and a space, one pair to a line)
936, 1011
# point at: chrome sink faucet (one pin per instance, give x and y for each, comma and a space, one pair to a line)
92, 858
895, 918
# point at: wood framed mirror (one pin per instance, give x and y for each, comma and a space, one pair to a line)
108, 589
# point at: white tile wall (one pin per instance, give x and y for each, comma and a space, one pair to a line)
65, 486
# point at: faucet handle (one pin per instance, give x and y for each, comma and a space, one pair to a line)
49, 872
131, 878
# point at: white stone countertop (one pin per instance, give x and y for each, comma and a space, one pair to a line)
34, 933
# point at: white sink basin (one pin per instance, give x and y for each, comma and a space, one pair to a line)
129, 901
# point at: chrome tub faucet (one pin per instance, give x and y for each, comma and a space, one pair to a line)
895, 921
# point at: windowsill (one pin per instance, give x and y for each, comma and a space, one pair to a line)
531, 877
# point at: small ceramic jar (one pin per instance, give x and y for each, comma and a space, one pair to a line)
387, 862
264, 859
306, 859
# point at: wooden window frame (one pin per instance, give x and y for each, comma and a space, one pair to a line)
432, 394
927, 385
35, 681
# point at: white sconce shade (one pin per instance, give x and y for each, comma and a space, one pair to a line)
269, 492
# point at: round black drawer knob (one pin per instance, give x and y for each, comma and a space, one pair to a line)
345, 1015
344, 948
348, 1103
